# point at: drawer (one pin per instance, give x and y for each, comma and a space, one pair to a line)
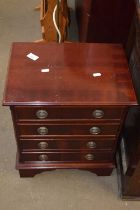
59, 112
67, 129
63, 144
67, 156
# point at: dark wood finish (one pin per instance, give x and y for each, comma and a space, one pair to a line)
104, 21
129, 186
64, 129
66, 112
132, 133
103, 170
129, 168
31, 169
100, 156
68, 144
79, 108
134, 55
70, 80
133, 42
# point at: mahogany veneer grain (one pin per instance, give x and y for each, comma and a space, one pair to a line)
69, 93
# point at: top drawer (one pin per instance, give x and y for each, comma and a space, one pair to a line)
67, 112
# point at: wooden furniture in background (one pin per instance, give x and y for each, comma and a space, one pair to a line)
69, 117
48, 30
104, 21
133, 42
128, 157
129, 150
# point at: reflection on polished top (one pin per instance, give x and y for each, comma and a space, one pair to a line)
68, 74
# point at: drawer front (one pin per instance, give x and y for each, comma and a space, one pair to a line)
66, 144
67, 129
67, 156
59, 113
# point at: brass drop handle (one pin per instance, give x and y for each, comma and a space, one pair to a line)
95, 130
42, 114
43, 157
42, 130
91, 145
89, 157
98, 114
43, 145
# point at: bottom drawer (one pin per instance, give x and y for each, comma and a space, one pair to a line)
67, 156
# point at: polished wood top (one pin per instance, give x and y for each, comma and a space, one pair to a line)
70, 79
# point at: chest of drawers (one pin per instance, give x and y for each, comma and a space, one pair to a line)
68, 116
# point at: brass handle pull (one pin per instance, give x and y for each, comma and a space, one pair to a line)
43, 145
42, 114
91, 145
42, 130
89, 157
43, 157
95, 130
98, 114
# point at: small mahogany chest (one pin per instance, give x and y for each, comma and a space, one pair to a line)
68, 106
